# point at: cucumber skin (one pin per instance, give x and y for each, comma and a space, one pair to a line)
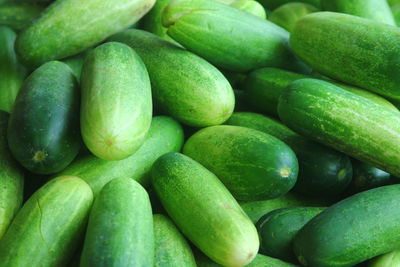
287, 15
252, 165
391, 259
250, 6
378, 128
273, 4
171, 248
51, 233
352, 230
68, 27
51, 102
17, 15
116, 101
204, 210
165, 135
326, 41
120, 228
259, 261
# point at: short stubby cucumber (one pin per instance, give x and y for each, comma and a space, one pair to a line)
250, 6
165, 135
204, 210
116, 105
287, 15
68, 27
120, 227
50, 224
183, 85
17, 15
253, 165
43, 132
344, 121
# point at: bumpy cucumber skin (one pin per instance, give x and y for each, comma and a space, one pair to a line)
17, 16
50, 224
116, 105
120, 227
184, 85
391, 259
330, 115
287, 15
171, 248
43, 132
204, 210
250, 6
165, 135
252, 165
68, 27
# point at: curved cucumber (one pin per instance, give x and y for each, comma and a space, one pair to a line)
17, 16
47, 109
288, 14
120, 228
252, 165
50, 224
204, 210
116, 105
171, 248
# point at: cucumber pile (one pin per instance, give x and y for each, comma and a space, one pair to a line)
184, 133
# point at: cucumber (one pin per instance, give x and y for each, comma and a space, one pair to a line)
47, 109
120, 228
18, 16
183, 85
250, 6
12, 73
278, 228
46, 230
320, 110
396, 14
336, 45
165, 135
378, 10
353, 230
391, 259
273, 4
116, 106
171, 248
322, 170
204, 210
68, 27
288, 14
252, 165
76, 63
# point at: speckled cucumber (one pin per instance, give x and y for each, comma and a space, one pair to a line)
165, 135
116, 105
68, 27
320, 110
17, 16
171, 248
204, 210
183, 85
47, 111
120, 228
50, 224
287, 15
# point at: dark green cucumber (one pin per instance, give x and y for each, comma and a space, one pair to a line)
183, 85
288, 14
273, 4
391, 259
353, 230
252, 165
116, 105
43, 132
171, 248
120, 228
278, 228
332, 116
46, 230
68, 27
17, 16
204, 210
250, 6
341, 46
165, 135
322, 170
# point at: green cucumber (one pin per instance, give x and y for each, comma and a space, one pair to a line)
250, 6
396, 13
183, 85
331, 115
171, 248
76, 63
288, 14
204, 210
252, 165
68, 27
46, 230
273, 4
165, 135
278, 228
378, 10
116, 105
120, 228
47, 109
18, 16
322, 170
391, 259
341, 46
12, 73
353, 230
